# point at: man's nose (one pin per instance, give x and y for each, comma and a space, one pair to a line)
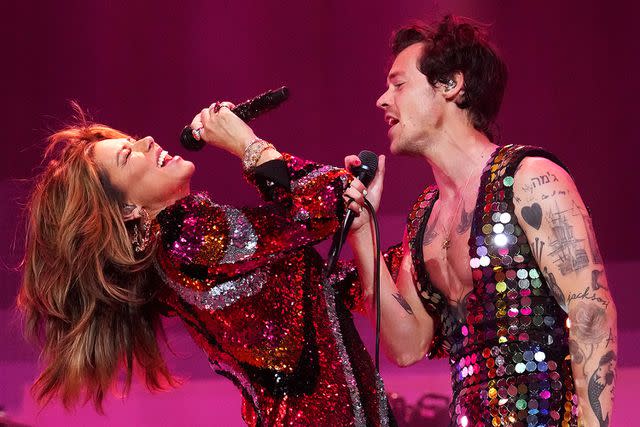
382, 101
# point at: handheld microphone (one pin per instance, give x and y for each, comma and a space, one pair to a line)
247, 111
365, 173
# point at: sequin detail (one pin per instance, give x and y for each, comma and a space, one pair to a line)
243, 239
221, 295
509, 358
308, 178
247, 285
354, 394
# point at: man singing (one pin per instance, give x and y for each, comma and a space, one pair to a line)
499, 269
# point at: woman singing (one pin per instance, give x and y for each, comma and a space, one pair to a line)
115, 240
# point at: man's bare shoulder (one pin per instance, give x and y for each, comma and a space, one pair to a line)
538, 178
537, 166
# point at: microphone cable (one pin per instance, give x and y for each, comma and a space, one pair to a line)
376, 276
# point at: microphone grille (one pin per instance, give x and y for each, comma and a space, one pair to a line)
369, 161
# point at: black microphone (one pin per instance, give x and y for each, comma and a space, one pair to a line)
247, 111
365, 173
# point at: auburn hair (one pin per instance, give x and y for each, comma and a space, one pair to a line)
86, 296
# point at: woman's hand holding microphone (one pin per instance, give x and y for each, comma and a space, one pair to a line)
219, 127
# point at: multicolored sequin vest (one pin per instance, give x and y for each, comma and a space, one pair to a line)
510, 363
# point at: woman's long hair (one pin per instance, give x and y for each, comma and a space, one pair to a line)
85, 295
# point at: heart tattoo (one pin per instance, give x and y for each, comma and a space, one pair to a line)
532, 215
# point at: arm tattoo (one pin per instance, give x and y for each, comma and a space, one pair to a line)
403, 303
537, 249
601, 378
527, 188
595, 284
559, 193
589, 333
611, 338
539, 181
555, 290
577, 355
591, 237
532, 215
568, 252
586, 295
588, 321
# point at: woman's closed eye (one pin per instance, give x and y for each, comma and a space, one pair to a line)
124, 156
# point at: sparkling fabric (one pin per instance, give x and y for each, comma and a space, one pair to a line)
510, 362
247, 284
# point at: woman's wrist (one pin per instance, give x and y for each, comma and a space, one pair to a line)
256, 152
268, 155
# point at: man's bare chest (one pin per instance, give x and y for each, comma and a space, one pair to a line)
446, 257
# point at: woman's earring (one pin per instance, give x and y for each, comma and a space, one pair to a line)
142, 232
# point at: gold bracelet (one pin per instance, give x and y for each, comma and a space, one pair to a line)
253, 152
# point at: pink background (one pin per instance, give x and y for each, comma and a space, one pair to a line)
148, 67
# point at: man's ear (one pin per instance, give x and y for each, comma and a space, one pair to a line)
453, 88
131, 212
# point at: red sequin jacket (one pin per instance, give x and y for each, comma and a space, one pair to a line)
248, 285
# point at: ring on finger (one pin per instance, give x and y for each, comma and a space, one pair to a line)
364, 192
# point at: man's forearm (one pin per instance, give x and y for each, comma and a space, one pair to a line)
594, 352
403, 319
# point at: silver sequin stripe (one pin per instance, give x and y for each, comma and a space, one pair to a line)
243, 239
383, 405
315, 174
356, 402
221, 295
